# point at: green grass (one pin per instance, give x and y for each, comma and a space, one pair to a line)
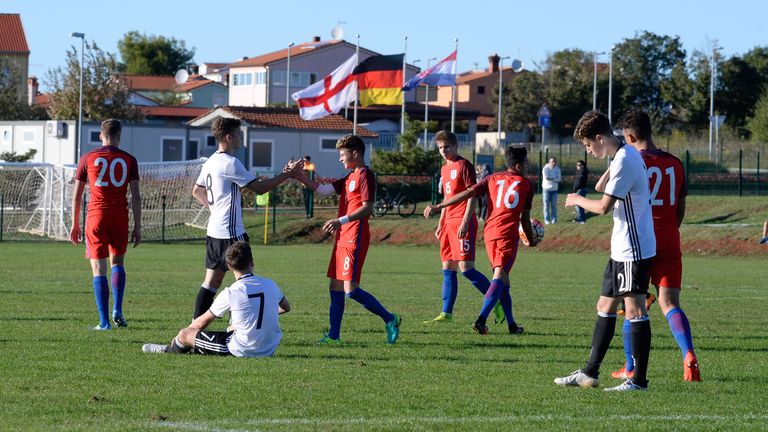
58, 375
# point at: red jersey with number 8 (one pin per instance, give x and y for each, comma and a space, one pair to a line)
108, 170
508, 195
666, 180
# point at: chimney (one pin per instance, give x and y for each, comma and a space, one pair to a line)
316, 39
32, 86
493, 63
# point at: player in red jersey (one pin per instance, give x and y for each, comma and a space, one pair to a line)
109, 173
356, 192
457, 228
668, 191
510, 196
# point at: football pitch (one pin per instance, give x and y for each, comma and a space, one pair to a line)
58, 375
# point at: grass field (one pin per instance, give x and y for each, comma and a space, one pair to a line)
58, 375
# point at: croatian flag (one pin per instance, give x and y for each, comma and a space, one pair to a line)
442, 73
329, 95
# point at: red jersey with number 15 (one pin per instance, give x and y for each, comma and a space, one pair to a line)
508, 195
666, 180
108, 170
354, 189
456, 176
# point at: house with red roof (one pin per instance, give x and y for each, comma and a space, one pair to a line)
14, 49
196, 92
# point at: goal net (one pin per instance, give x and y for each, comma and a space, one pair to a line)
37, 199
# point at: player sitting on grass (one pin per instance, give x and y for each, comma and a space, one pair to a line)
509, 196
109, 173
356, 191
633, 245
668, 192
254, 304
457, 227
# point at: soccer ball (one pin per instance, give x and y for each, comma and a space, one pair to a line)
538, 232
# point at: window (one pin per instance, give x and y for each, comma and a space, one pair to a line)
261, 78
210, 141
480, 89
192, 149
261, 155
328, 144
278, 78
28, 136
298, 78
6, 135
242, 79
173, 149
94, 137
220, 99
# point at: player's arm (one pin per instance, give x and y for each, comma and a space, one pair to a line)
136, 207
77, 201
292, 169
680, 210
458, 198
323, 189
525, 222
366, 210
203, 320
440, 223
468, 212
200, 194
283, 306
600, 186
601, 206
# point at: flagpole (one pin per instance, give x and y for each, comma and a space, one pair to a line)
402, 107
426, 106
357, 90
453, 96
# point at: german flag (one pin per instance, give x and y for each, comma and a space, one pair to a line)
380, 80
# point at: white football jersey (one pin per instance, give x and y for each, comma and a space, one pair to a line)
253, 303
222, 176
633, 238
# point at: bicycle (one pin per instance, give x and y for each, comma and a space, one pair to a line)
405, 205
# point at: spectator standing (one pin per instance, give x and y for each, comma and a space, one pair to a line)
550, 177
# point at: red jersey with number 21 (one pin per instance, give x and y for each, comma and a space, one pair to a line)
354, 189
108, 170
508, 195
666, 180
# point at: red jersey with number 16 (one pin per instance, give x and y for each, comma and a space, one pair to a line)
508, 195
354, 189
666, 180
108, 170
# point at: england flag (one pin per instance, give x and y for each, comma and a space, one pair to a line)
329, 95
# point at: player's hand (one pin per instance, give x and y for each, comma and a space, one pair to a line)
74, 234
571, 199
428, 210
463, 230
294, 168
331, 225
136, 236
438, 231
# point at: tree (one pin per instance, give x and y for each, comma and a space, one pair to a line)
104, 95
14, 106
522, 98
412, 159
758, 124
567, 79
152, 55
13, 157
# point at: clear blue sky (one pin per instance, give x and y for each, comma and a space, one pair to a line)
222, 31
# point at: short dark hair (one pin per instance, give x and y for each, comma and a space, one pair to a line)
447, 137
307, 157
581, 162
515, 155
591, 124
111, 128
638, 122
239, 256
223, 126
351, 142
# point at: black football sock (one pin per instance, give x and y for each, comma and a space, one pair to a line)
601, 340
640, 335
203, 301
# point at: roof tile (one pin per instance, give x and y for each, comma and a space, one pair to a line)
12, 38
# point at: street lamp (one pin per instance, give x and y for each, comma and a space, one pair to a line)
288, 78
594, 81
426, 105
501, 92
712, 119
610, 84
80, 110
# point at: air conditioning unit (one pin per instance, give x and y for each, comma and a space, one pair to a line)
55, 128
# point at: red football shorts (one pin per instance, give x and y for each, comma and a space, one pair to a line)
105, 235
667, 269
347, 263
453, 248
502, 252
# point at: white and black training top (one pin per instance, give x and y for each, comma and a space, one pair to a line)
253, 303
222, 176
632, 238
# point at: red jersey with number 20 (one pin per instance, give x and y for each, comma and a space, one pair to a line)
508, 195
456, 176
666, 180
108, 170
354, 189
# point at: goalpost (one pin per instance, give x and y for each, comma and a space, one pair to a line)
37, 198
